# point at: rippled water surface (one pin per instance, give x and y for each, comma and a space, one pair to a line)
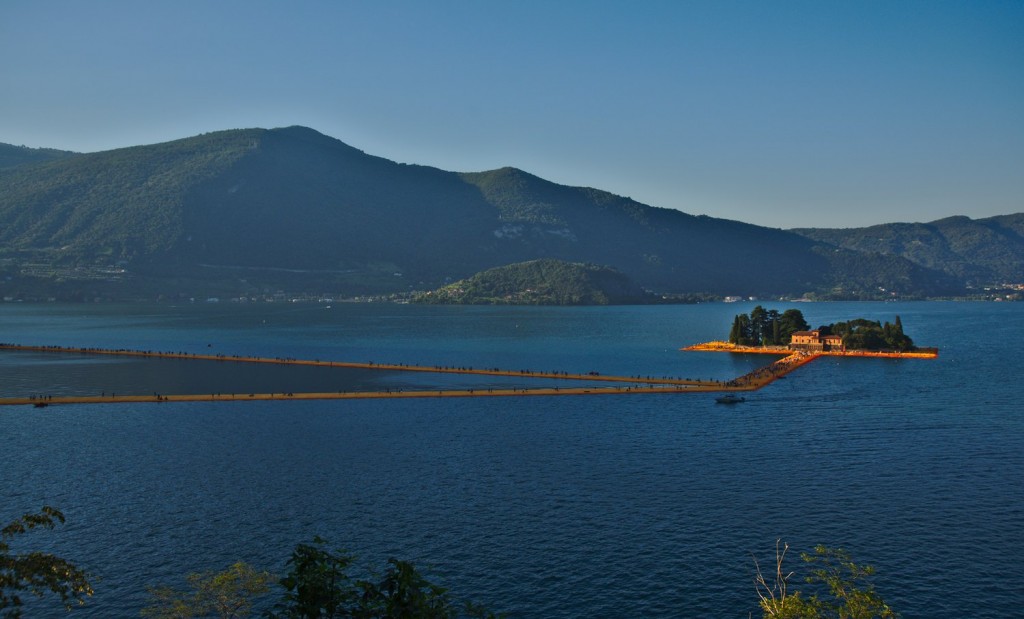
639, 505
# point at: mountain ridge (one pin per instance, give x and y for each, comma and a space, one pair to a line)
203, 211
11, 155
979, 251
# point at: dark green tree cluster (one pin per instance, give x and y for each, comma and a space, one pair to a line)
318, 585
863, 334
766, 327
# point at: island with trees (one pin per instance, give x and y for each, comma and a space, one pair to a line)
789, 329
542, 282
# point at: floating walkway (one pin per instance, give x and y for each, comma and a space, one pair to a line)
622, 384
791, 360
919, 353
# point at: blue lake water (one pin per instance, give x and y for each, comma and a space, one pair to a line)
612, 506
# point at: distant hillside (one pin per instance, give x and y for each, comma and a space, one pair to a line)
252, 211
542, 282
663, 249
976, 251
11, 155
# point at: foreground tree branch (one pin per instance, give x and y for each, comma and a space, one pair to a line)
842, 589
37, 573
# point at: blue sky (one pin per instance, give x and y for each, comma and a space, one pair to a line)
784, 114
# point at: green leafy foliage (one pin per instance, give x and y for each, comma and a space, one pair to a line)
37, 573
227, 595
851, 595
318, 583
403, 592
840, 588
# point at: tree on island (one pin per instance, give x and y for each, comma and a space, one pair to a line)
766, 327
863, 334
769, 328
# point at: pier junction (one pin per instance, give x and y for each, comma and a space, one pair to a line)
593, 383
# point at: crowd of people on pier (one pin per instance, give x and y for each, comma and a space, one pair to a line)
765, 375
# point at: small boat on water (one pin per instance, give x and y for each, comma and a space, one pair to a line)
729, 399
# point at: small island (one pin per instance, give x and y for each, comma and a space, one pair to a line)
788, 336
769, 328
542, 282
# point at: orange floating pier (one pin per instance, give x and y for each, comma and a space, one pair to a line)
792, 359
623, 385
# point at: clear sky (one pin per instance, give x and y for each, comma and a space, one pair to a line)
779, 113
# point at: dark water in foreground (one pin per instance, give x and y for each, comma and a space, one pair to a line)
542, 507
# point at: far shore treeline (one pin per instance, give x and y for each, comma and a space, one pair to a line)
763, 327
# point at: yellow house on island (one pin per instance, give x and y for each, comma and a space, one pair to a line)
815, 341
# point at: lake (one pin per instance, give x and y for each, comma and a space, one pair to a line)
611, 506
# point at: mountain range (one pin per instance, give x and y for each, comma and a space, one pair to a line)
977, 252
249, 211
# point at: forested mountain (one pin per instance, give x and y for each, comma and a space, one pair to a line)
976, 251
246, 211
542, 282
11, 155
